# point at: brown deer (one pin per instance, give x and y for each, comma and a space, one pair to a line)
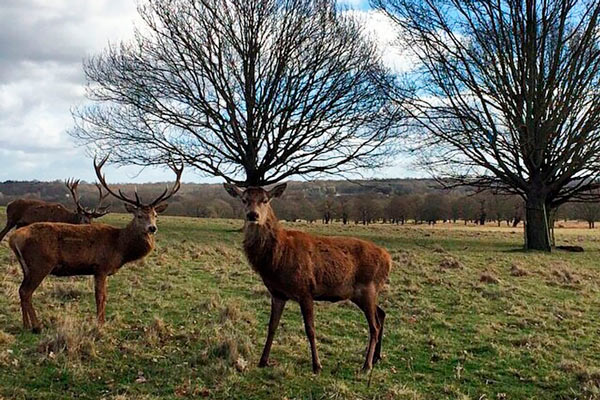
23, 212
100, 250
304, 268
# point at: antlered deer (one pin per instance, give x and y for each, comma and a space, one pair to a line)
302, 267
23, 212
101, 250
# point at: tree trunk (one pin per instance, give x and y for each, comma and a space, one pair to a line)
537, 228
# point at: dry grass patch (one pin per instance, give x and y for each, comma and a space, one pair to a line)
588, 377
450, 263
489, 278
563, 275
66, 291
6, 339
516, 270
73, 338
158, 332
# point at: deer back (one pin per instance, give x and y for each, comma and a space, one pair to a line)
28, 211
69, 249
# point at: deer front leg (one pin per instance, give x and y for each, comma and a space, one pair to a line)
277, 306
306, 305
100, 289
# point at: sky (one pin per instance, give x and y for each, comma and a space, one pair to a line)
42, 45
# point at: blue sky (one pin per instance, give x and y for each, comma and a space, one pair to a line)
42, 45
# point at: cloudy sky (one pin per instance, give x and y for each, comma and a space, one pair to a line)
42, 45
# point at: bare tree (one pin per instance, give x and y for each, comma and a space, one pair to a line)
507, 96
589, 212
253, 91
397, 209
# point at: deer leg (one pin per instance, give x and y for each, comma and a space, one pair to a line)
100, 291
380, 319
366, 302
26, 290
306, 305
277, 306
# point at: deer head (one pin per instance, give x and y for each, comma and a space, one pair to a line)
84, 214
145, 214
256, 200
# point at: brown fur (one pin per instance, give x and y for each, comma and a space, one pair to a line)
100, 250
61, 249
298, 266
23, 212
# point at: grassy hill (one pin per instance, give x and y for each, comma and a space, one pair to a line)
469, 317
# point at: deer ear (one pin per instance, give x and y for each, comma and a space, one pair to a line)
233, 190
277, 191
161, 207
130, 208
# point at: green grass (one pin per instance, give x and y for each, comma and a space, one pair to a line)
190, 320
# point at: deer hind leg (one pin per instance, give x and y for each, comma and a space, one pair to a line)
277, 306
100, 292
306, 305
380, 320
367, 303
26, 290
7, 228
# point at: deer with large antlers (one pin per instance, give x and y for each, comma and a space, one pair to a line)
23, 212
100, 250
302, 267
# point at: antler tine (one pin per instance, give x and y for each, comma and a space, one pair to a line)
72, 184
137, 197
167, 194
99, 210
101, 196
101, 178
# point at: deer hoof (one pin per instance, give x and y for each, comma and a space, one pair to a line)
317, 369
263, 364
37, 330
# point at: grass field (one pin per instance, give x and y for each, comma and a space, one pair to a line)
470, 316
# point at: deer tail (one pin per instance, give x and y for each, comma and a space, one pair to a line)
14, 245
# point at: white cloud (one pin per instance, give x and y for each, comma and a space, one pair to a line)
42, 45
385, 33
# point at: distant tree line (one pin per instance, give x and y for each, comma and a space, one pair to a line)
400, 201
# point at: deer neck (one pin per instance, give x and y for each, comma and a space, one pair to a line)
134, 244
261, 242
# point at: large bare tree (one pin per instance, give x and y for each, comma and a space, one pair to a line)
253, 91
507, 96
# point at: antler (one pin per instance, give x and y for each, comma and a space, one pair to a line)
72, 184
166, 194
98, 167
100, 210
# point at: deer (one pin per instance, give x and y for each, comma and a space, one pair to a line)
23, 212
298, 266
99, 250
